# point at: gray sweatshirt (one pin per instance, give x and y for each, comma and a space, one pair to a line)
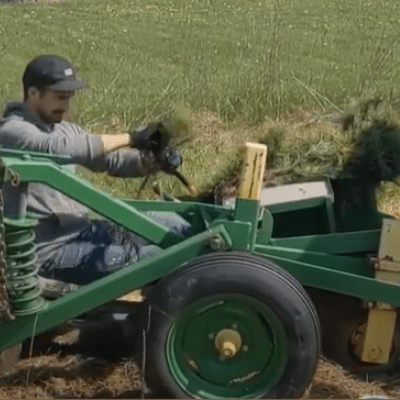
61, 218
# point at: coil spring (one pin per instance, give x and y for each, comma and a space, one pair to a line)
21, 278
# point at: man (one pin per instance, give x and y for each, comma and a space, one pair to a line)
71, 247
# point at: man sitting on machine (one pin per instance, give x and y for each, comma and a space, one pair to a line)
71, 247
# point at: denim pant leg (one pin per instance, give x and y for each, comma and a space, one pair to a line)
95, 253
104, 248
174, 222
84, 262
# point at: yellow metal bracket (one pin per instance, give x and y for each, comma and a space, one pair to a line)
374, 344
253, 171
136, 296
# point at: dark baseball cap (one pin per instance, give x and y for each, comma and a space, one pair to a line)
53, 72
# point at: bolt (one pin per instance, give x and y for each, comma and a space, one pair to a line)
228, 349
193, 365
15, 181
216, 242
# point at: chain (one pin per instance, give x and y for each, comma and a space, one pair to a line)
5, 312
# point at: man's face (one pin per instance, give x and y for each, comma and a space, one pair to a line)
51, 105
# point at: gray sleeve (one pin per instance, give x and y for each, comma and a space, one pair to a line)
124, 163
65, 139
84, 148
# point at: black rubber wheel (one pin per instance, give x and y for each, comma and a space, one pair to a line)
341, 316
236, 301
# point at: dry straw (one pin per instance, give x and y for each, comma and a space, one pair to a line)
357, 149
363, 144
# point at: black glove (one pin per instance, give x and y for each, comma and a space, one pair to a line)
153, 137
169, 159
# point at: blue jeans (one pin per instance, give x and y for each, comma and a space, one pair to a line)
103, 248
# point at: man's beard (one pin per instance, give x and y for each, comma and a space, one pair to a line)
52, 118
57, 117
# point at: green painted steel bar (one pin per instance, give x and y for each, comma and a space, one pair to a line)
296, 205
180, 207
108, 288
115, 209
247, 210
239, 233
354, 265
338, 281
330, 214
140, 205
62, 159
265, 230
334, 243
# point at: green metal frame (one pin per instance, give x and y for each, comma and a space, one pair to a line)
334, 261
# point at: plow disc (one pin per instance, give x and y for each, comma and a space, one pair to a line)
342, 319
9, 359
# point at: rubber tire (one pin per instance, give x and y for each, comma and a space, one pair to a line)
238, 273
340, 317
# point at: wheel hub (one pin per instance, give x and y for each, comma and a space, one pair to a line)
228, 346
228, 342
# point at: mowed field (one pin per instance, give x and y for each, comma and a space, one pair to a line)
242, 67
239, 58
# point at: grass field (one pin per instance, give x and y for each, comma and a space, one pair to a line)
238, 58
235, 63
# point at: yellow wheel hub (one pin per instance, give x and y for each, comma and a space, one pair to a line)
228, 342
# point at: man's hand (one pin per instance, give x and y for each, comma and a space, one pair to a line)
153, 137
169, 159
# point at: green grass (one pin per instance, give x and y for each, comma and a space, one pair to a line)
244, 60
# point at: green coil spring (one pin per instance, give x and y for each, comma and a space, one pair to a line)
21, 278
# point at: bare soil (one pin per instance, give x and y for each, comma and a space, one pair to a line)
78, 365
75, 376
